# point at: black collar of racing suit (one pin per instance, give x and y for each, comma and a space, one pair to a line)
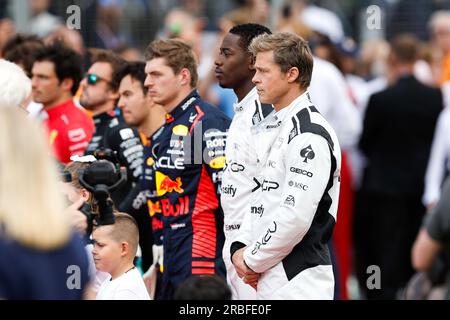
182, 106
106, 116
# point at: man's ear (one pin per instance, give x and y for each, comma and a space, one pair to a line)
292, 74
251, 62
66, 84
185, 76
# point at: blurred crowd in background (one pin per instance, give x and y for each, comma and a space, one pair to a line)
381, 79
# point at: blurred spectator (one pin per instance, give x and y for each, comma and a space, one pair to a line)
56, 75
42, 22
100, 93
426, 65
203, 288
398, 128
319, 19
15, 86
411, 16
250, 11
39, 255
21, 49
109, 15
75, 190
373, 57
140, 21
440, 31
191, 31
70, 37
348, 54
439, 161
183, 25
434, 238
7, 31
129, 54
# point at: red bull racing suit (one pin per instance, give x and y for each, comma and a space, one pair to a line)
186, 171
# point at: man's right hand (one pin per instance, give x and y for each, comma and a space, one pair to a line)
249, 276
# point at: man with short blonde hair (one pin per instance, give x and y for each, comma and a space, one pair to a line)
186, 165
282, 246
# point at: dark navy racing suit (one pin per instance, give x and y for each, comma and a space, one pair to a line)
187, 168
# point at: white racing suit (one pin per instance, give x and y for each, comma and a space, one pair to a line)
237, 181
293, 206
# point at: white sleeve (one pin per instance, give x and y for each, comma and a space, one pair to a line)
436, 163
244, 234
297, 206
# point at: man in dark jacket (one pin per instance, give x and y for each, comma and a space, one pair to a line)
396, 139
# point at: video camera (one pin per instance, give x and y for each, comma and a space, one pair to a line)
101, 178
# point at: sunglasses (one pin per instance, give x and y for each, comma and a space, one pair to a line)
92, 79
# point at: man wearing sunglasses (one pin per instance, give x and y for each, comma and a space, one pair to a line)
100, 94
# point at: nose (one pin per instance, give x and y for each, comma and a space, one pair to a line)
33, 82
148, 82
121, 103
218, 62
255, 78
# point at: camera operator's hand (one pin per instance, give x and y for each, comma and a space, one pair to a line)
158, 255
78, 219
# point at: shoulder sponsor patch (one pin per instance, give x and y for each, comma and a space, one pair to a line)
307, 153
290, 201
126, 133
217, 163
180, 130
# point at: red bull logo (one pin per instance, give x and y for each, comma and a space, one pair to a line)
164, 184
153, 207
180, 207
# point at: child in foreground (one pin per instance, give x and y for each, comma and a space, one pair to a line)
115, 247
